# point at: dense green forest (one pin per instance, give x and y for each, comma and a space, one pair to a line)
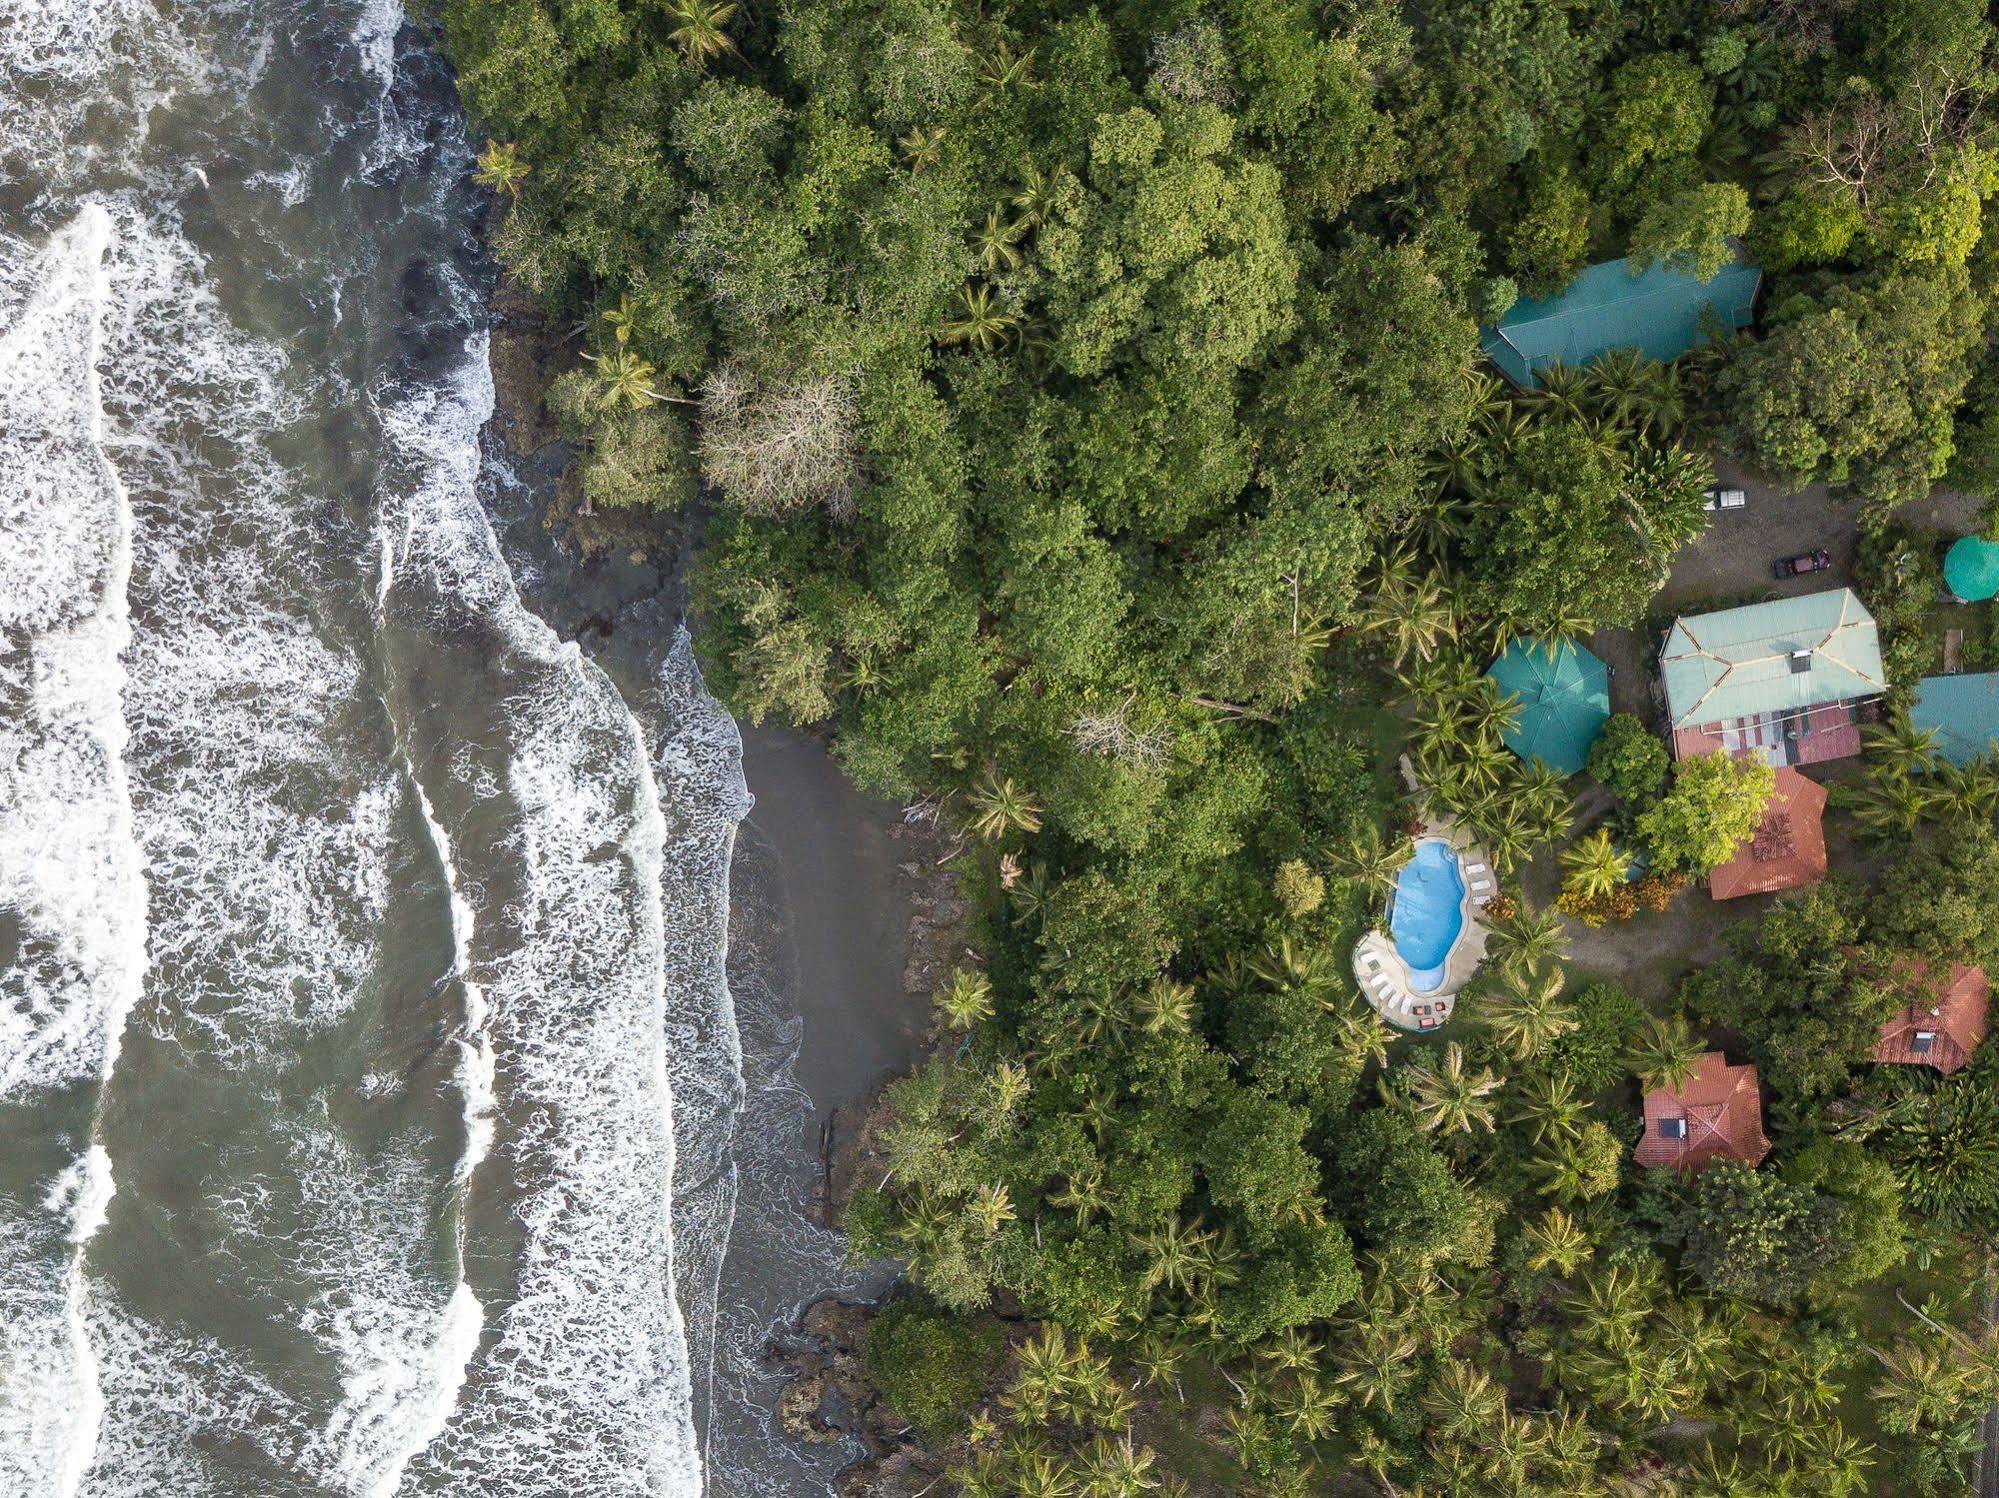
1085, 409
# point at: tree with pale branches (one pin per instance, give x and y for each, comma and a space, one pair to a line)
779, 444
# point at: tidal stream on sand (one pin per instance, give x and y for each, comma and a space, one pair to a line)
373, 1114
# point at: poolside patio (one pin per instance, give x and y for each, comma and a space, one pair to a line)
1386, 979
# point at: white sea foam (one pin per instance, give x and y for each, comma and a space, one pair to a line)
70, 870
69, 865
270, 829
586, 1386
369, 1224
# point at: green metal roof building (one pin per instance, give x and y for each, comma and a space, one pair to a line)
1964, 712
1781, 677
1563, 695
1657, 311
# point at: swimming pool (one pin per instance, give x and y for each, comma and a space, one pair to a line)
1427, 913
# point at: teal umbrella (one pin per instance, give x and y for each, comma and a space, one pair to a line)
1971, 568
1564, 701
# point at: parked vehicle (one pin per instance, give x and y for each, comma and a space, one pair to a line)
1726, 499
1798, 566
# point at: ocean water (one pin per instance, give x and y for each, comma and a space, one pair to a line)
373, 1107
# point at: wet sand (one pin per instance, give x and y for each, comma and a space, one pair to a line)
845, 913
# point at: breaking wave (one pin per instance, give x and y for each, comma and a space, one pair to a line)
586, 1384
72, 889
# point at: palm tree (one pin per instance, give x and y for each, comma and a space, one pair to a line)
1462, 1402
1615, 383
1165, 1005
1490, 712
1448, 674
1528, 938
626, 379
1007, 1086
1528, 1014
1965, 792
1286, 967
1001, 807
1887, 804
500, 167
1452, 1098
1559, 623
1923, 1386
1038, 194
980, 324
998, 243
1173, 1254
1308, 1409
923, 147
990, 1207
1614, 1303
1897, 745
1557, 1241
1044, 1476
1415, 616
1510, 1445
1559, 390
1506, 838
1291, 1350
1566, 1174
1113, 1468
1372, 863
1484, 764
968, 1002
1030, 894
1378, 1368
623, 319
699, 29
1363, 1037
1003, 68
1545, 803
1443, 721
1838, 1462
1665, 1054
1158, 1358
1550, 1105
1439, 522
1596, 864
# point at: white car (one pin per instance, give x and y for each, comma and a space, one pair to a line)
1725, 499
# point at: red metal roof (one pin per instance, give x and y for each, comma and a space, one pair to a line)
1952, 1018
1717, 1114
1789, 847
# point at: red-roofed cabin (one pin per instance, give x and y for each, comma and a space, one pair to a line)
1788, 848
1716, 1114
1941, 1027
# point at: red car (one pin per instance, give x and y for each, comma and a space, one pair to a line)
1798, 566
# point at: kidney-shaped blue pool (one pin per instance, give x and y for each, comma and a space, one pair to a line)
1427, 912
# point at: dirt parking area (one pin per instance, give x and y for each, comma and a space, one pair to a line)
1732, 562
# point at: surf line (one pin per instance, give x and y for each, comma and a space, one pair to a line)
79, 694
462, 1323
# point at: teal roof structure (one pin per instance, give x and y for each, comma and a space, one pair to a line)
1657, 311
1781, 656
1564, 701
1971, 568
1964, 711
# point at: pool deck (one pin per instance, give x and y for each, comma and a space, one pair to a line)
1386, 981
